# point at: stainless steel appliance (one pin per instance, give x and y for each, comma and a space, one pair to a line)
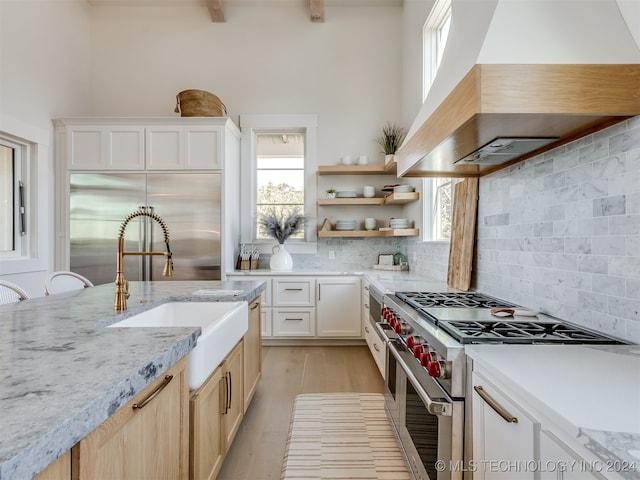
188, 202
426, 368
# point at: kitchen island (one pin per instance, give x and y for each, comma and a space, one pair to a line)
62, 373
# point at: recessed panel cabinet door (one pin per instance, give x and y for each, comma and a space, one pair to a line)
146, 438
338, 307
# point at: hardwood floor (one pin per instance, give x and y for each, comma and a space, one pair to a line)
258, 449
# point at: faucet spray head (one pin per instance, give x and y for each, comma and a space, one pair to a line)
168, 264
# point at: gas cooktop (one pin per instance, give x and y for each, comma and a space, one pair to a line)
468, 319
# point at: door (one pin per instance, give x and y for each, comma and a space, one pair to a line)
98, 204
189, 204
234, 399
338, 307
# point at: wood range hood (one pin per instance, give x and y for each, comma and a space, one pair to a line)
555, 102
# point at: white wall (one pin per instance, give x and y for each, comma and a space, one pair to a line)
44, 69
271, 59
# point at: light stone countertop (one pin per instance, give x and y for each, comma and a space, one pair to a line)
62, 373
587, 396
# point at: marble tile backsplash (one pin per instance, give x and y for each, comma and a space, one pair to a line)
561, 232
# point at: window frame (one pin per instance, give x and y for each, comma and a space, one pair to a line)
32, 250
250, 126
428, 205
432, 53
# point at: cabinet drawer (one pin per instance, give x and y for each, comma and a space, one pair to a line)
292, 322
376, 346
293, 292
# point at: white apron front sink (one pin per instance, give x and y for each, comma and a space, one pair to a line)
223, 324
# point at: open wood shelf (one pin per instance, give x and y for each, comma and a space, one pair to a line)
386, 169
327, 231
392, 199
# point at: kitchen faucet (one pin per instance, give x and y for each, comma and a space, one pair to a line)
122, 285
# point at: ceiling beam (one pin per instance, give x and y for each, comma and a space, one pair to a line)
317, 10
216, 10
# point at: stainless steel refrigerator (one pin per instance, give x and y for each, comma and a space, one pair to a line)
189, 203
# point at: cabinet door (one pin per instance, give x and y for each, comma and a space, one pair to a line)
86, 147
58, 470
234, 399
559, 462
499, 444
146, 438
376, 346
125, 147
338, 307
206, 440
252, 352
164, 146
293, 292
203, 145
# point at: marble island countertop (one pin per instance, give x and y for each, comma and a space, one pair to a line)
62, 373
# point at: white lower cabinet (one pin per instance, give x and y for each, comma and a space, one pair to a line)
559, 462
266, 315
376, 346
338, 307
294, 322
504, 436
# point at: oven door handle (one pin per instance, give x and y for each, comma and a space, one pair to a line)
441, 406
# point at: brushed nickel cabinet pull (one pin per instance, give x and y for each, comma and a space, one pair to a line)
375, 346
366, 288
298, 319
292, 289
255, 305
499, 409
366, 329
154, 394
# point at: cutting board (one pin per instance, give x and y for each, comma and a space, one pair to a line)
463, 234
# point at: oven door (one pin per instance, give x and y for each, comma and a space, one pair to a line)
429, 423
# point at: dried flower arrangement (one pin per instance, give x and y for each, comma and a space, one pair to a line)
281, 225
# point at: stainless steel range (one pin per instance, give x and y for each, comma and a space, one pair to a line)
426, 366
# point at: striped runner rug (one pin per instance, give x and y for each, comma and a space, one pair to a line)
342, 436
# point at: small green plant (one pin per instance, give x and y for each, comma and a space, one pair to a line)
331, 191
391, 138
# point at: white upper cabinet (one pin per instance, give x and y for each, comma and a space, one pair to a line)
144, 144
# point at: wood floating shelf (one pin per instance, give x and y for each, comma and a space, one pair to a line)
327, 231
392, 199
386, 169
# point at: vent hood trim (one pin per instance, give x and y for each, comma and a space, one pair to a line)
527, 101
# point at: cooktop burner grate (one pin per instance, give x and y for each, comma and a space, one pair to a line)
420, 300
520, 332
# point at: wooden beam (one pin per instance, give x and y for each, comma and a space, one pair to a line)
317, 10
216, 10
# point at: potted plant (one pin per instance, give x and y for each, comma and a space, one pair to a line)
331, 192
390, 139
281, 225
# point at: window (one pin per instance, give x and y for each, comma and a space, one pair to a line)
12, 201
278, 170
438, 208
434, 36
279, 176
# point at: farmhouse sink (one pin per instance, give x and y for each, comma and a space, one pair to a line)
223, 324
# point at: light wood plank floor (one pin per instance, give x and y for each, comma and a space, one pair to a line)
258, 449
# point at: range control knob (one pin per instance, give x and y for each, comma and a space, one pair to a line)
413, 340
425, 358
418, 350
399, 327
433, 369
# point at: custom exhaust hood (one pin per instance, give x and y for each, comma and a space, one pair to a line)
501, 113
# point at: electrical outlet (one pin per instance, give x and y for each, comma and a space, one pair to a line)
415, 257
332, 254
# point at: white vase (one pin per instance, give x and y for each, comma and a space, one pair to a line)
281, 260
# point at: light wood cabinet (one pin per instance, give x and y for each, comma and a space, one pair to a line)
338, 307
216, 411
146, 438
58, 470
252, 351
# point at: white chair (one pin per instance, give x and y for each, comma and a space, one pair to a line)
10, 293
59, 282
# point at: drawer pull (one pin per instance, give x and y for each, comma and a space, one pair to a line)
292, 289
255, 305
375, 346
366, 329
366, 288
154, 394
298, 319
499, 409
366, 305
